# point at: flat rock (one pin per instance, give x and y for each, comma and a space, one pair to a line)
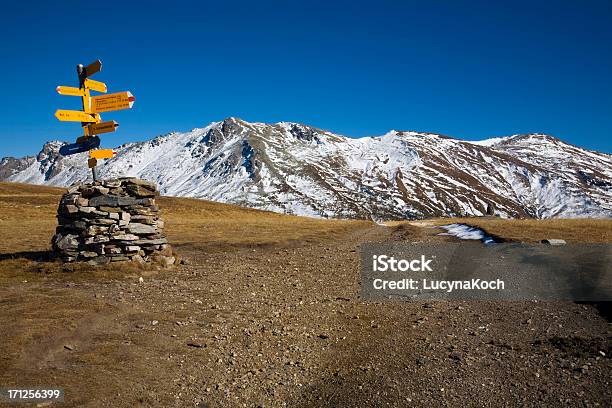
101, 190
102, 221
67, 242
95, 230
140, 191
127, 181
144, 219
70, 208
110, 209
87, 210
144, 229
147, 202
119, 258
112, 201
125, 237
111, 183
142, 211
74, 188
554, 241
158, 241
99, 260
98, 239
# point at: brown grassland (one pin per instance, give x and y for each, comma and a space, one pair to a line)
266, 310
27, 222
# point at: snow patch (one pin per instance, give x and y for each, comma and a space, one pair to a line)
463, 231
489, 142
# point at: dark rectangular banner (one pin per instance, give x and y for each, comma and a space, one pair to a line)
472, 271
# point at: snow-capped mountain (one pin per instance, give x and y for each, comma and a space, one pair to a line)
293, 168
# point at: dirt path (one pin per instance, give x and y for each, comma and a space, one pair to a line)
283, 326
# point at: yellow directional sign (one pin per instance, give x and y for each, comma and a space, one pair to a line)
103, 127
102, 154
93, 68
112, 102
74, 116
69, 90
90, 115
95, 85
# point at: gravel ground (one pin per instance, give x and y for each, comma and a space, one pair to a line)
283, 325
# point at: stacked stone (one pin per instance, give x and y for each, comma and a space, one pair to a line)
109, 221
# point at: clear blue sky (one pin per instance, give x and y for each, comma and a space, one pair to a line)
465, 69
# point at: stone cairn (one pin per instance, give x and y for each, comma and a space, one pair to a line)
109, 221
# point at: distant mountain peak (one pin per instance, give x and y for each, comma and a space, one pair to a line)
295, 168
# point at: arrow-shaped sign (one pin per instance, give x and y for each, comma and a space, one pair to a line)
74, 116
74, 148
93, 68
103, 127
95, 85
102, 154
112, 102
70, 90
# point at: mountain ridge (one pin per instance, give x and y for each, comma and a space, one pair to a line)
294, 168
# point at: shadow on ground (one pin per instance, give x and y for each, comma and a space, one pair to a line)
37, 256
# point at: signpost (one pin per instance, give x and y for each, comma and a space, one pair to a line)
92, 68
85, 145
89, 117
102, 154
102, 127
69, 90
74, 116
95, 85
112, 102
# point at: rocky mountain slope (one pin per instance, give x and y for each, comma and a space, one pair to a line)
293, 168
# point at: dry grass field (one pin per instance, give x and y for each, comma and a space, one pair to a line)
266, 311
188, 220
27, 222
27, 217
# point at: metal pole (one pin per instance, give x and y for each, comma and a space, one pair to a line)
82, 75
